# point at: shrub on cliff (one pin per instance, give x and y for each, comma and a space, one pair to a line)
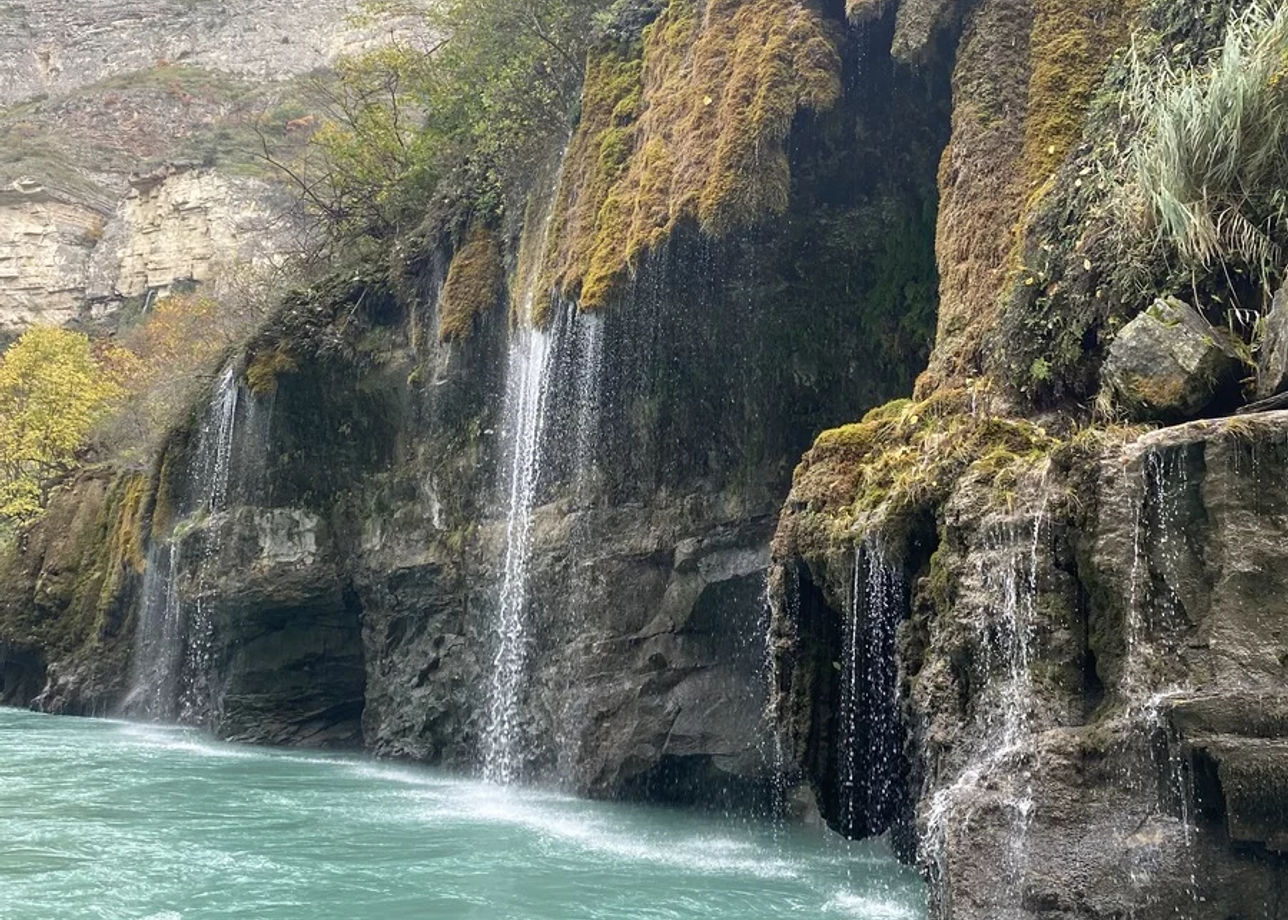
52, 393
459, 117
161, 363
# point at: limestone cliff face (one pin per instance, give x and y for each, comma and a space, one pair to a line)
66, 260
51, 48
129, 160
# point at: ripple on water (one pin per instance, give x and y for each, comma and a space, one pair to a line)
137, 822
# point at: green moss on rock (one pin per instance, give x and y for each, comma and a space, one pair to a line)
903, 459
691, 126
473, 285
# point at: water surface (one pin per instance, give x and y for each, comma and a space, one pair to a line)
103, 819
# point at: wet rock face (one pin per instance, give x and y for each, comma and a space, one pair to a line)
1272, 359
1093, 688
285, 663
1170, 364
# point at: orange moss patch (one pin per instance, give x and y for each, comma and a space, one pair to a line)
266, 366
473, 285
689, 127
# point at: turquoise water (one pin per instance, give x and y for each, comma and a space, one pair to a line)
103, 819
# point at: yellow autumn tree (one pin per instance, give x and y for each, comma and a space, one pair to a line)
162, 362
52, 393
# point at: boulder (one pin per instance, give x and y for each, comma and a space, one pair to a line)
1272, 359
1170, 363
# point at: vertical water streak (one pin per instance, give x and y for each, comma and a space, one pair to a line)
871, 737
588, 331
781, 613
214, 455
533, 354
1153, 751
1012, 584
526, 392
158, 648
574, 419
173, 641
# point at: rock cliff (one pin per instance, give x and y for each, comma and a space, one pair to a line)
1036, 644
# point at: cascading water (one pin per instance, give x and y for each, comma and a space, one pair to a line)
577, 365
588, 372
870, 746
214, 466
1152, 755
552, 381
173, 639
1008, 571
526, 397
158, 649
776, 642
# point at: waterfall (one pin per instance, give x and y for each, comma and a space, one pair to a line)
214, 465
588, 339
870, 745
525, 405
1008, 571
776, 643
158, 646
1156, 511
577, 366
1152, 752
173, 644
553, 382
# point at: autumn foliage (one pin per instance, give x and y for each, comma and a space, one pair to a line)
52, 393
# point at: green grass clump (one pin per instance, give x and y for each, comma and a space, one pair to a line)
1211, 164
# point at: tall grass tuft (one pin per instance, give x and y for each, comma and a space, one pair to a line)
1211, 161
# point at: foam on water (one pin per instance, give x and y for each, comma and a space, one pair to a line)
115, 820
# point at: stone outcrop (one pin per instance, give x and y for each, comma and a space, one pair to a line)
63, 260
51, 48
1272, 359
1091, 677
45, 250
1170, 364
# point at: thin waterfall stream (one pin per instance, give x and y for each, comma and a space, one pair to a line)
526, 398
168, 679
871, 736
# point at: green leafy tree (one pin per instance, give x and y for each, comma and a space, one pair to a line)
52, 393
461, 116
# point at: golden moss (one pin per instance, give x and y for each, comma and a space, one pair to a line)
998, 168
266, 366
902, 457
1071, 46
124, 555
691, 127
473, 285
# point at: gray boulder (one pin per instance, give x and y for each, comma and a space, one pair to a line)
1272, 360
1170, 363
